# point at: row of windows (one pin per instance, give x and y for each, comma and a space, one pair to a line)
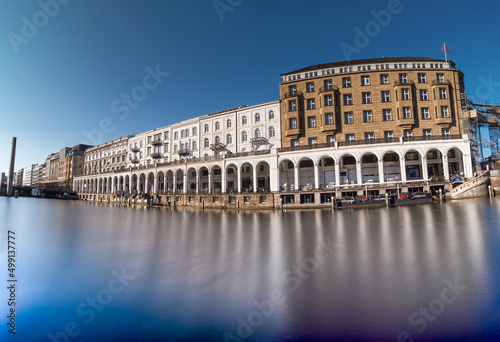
367, 68
102, 154
365, 81
371, 135
366, 97
244, 121
368, 116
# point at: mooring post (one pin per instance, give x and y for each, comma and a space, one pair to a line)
489, 191
441, 195
333, 202
238, 203
203, 205
386, 199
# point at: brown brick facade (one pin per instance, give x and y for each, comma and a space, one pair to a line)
315, 97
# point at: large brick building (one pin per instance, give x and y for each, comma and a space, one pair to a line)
370, 99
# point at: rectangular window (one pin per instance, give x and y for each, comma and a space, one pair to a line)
367, 116
311, 122
329, 119
444, 112
328, 100
149, 151
149, 140
311, 104
427, 132
310, 87
387, 114
424, 95
406, 113
347, 99
384, 79
365, 80
367, 97
386, 96
408, 133
328, 84
403, 78
422, 78
313, 141
346, 82
442, 93
349, 137
405, 94
389, 135
349, 118
425, 113
292, 105
369, 136
293, 123
330, 139
440, 78
292, 90
445, 132
295, 142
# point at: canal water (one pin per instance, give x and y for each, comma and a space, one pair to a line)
98, 272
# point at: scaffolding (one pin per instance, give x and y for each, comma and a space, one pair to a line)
482, 123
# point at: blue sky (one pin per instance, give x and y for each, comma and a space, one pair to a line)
60, 79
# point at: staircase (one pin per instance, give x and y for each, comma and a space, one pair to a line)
471, 184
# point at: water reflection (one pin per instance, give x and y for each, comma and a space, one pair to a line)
349, 274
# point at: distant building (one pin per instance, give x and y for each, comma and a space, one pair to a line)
62, 166
18, 177
3, 179
28, 175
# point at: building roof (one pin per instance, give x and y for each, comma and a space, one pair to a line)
369, 61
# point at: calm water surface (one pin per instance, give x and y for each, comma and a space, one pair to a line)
97, 272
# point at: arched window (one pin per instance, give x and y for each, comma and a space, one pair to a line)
194, 131
244, 136
182, 134
257, 117
229, 139
206, 128
257, 133
194, 145
176, 135
187, 132
228, 123
244, 120
217, 126
175, 148
217, 139
182, 146
272, 132
207, 142
271, 115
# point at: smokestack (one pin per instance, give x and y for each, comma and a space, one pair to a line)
10, 179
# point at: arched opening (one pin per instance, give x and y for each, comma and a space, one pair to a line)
161, 182
326, 173
369, 168
169, 181
392, 167
347, 168
263, 177
435, 169
192, 180
413, 165
150, 187
455, 163
216, 173
287, 175
203, 171
179, 181
232, 178
246, 174
306, 174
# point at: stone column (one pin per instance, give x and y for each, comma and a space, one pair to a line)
316, 176
446, 168
223, 183
381, 178
198, 181
296, 177
359, 172
425, 172
239, 178
155, 189
337, 173
254, 176
174, 180
113, 185
209, 181
402, 162
185, 181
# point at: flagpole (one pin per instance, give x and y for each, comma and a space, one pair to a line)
445, 56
